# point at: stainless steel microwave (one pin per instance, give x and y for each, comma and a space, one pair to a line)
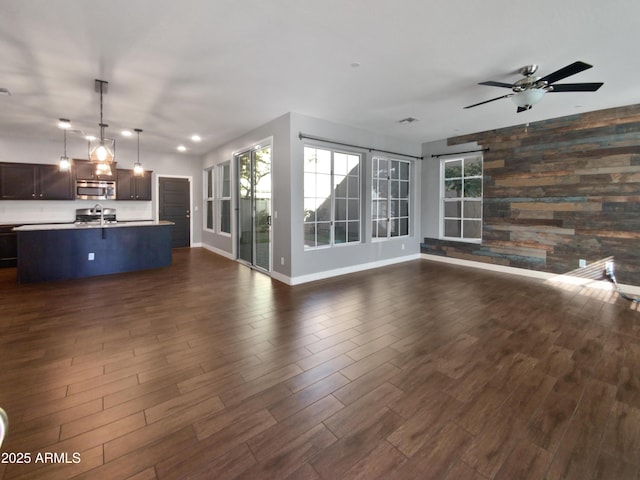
96, 189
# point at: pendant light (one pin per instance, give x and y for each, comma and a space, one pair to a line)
102, 150
138, 171
65, 163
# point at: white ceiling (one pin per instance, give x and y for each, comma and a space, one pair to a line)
222, 67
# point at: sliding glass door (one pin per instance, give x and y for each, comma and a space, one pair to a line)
254, 207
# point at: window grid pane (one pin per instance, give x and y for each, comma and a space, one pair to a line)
209, 201
462, 198
390, 206
224, 201
331, 197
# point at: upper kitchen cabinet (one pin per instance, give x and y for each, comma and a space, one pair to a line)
27, 181
85, 170
130, 187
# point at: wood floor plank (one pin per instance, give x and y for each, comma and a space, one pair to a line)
525, 462
548, 425
357, 444
435, 411
199, 465
148, 434
267, 444
305, 397
436, 457
492, 446
379, 464
206, 369
622, 436
292, 455
350, 418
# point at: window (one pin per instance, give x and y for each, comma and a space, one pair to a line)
225, 197
331, 197
390, 198
208, 199
462, 199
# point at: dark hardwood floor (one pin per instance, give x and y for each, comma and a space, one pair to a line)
208, 370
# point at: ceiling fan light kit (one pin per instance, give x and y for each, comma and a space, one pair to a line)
528, 91
526, 99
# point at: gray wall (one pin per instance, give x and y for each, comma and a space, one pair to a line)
291, 262
277, 132
430, 180
312, 263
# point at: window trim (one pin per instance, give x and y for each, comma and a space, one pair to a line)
390, 198
220, 198
332, 243
206, 198
442, 201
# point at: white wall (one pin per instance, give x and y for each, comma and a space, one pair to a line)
53, 211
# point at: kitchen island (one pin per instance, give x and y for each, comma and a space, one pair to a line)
63, 251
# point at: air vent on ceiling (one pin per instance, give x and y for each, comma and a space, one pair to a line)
408, 120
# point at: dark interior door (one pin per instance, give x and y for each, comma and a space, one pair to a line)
174, 205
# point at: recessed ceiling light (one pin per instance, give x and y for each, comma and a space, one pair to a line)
195, 138
355, 64
126, 133
91, 138
64, 123
182, 148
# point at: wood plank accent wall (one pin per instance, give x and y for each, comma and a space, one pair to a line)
557, 191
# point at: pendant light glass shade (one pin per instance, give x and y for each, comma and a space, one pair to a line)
138, 171
102, 151
65, 162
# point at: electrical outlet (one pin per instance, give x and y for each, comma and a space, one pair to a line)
281, 260
582, 263
403, 246
91, 257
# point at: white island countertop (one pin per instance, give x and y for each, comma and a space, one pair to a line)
77, 226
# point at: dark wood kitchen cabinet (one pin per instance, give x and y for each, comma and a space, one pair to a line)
130, 187
85, 170
29, 181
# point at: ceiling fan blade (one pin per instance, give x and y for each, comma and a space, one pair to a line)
491, 83
487, 101
575, 67
576, 87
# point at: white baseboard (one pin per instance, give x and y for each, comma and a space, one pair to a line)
312, 277
629, 289
217, 251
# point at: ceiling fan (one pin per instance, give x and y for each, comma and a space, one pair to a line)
529, 90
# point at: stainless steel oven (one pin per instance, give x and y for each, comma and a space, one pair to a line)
96, 189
